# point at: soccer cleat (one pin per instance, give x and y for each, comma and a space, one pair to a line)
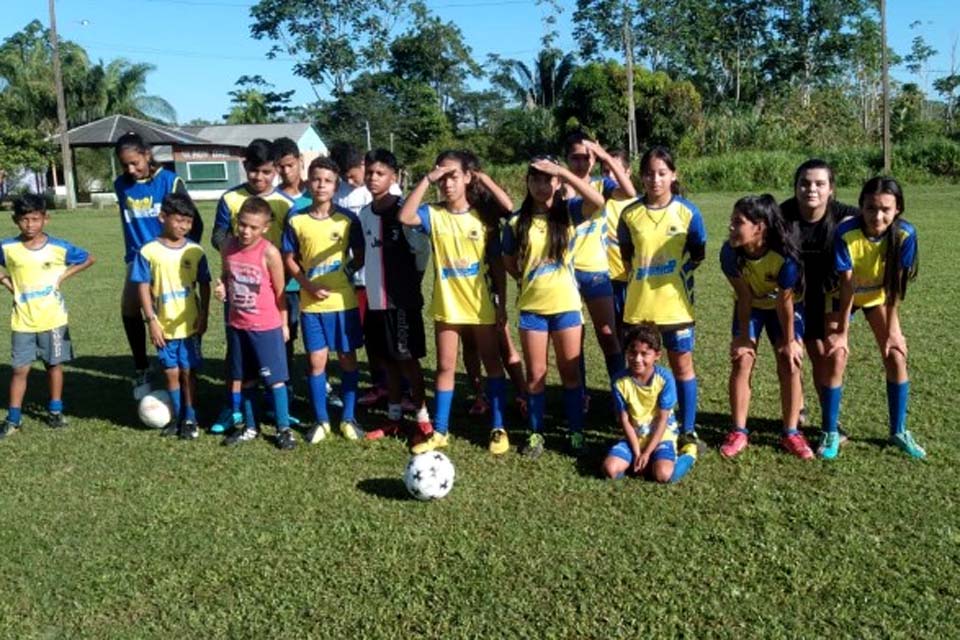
499, 442
692, 449
8, 429
480, 406
534, 446
737, 440
285, 440
189, 430
141, 384
172, 429
905, 442
372, 396
576, 442
795, 443
388, 428
689, 438
317, 432
333, 400
57, 420
226, 421
350, 430
240, 435
436, 440
829, 446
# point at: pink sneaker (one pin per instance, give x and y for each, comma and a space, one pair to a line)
388, 428
796, 444
736, 442
372, 396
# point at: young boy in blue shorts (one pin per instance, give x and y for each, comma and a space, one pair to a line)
36, 266
645, 395
173, 280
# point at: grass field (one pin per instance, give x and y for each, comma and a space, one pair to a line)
111, 531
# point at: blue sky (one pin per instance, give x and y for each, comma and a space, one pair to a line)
201, 47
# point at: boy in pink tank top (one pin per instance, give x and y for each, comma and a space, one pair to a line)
252, 287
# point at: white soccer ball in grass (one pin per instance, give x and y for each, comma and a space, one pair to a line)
155, 409
429, 476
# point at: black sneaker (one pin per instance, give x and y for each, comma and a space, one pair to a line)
57, 420
189, 430
8, 429
285, 440
172, 429
691, 437
240, 435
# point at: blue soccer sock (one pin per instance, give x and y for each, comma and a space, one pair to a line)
441, 412
189, 413
687, 392
318, 396
536, 405
573, 407
683, 465
348, 393
236, 401
175, 403
615, 365
830, 408
898, 394
497, 395
56, 406
281, 406
249, 409
14, 415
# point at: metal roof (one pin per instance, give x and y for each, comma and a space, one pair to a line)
240, 135
106, 131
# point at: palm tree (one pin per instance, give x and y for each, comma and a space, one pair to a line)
539, 85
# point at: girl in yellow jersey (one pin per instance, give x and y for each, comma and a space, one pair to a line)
662, 240
875, 254
538, 251
761, 260
462, 298
618, 271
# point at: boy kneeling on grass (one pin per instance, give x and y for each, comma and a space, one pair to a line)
36, 265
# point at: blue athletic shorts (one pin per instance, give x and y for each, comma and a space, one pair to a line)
666, 450
257, 355
52, 346
593, 284
679, 340
619, 297
182, 353
336, 330
530, 321
761, 319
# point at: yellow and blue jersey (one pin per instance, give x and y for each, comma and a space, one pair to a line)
855, 251
322, 247
173, 274
642, 400
660, 278
37, 303
139, 202
590, 244
546, 286
612, 212
766, 276
229, 206
461, 288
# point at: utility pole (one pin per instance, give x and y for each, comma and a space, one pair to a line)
61, 112
366, 124
885, 70
631, 108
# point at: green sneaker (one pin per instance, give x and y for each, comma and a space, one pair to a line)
577, 445
905, 442
350, 430
829, 447
534, 446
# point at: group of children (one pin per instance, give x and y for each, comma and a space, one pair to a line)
294, 256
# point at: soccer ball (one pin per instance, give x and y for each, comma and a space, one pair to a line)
155, 409
429, 476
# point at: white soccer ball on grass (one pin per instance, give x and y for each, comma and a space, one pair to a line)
429, 476
155, 409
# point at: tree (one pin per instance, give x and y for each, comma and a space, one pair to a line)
539, 85
594, 99
254, 103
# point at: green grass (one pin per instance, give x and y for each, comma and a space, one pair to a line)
110, 531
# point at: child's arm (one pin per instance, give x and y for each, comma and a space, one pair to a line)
297, 273
7, 282
408, 212
625, 241
653, 441
221, 225
146, 303
788, 346
498, 275
625, 188
508, 249
895, 339
204, 308
498, 193
742, 344
592, 200
77, 261
837, 340
630, 434
220, 286
274, 265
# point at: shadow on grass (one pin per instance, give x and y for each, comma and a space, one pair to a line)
389, 488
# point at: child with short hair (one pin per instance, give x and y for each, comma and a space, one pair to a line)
36, 266
173, 278
645, 395
252, 288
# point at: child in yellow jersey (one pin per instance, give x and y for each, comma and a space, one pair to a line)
36, 266
538, 252
462, 298
761, 260
645, 395
875, 254
317, 245
618, 271
662, 240
173, 280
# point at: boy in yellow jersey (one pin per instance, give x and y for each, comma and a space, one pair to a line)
317, 243
36, 266
173, 278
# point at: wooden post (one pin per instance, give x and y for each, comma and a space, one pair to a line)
885, 71
631, 107
61, 112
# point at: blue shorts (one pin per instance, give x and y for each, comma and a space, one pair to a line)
336, 330
530, 321
181, 353
257, 355
619, 297
593, 284
679, 340
761, 319
666, 450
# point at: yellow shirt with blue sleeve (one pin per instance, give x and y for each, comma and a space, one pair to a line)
322, 247
643, 400
461, 289
590, 245
660, 278
766, 276
37, 302
229, 207
866, 257
173, 274
613, 210
546, 286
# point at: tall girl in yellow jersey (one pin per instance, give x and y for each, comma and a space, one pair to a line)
662, 240
761, 259
875, 254
538, 251
462, 298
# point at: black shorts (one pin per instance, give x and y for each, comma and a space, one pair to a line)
395, 334
814, 320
